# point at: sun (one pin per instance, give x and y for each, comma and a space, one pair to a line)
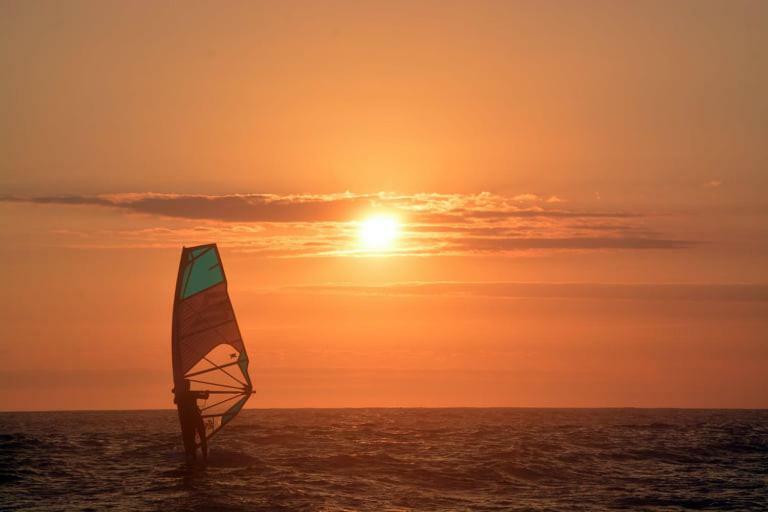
379, 233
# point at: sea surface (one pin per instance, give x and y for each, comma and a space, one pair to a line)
391, 459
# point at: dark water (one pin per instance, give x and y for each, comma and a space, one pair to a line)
391, 459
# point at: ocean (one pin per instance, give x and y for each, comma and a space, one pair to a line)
391, 459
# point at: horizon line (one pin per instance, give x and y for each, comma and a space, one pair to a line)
619, 407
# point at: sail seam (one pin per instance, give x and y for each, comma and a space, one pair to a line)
206, 329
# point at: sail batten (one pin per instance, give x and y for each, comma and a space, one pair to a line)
211, 369
206, 338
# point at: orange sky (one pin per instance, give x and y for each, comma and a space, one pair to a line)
580, 189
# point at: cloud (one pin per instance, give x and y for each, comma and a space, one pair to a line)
527, 198
538, 212
487, 244
326, 224
316, 208
695, 292
713, 184
225, 208
535, 198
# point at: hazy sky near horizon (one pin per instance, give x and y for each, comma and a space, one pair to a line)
579, 187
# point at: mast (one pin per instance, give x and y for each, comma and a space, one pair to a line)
176, 363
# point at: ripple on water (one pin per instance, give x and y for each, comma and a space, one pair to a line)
406, 459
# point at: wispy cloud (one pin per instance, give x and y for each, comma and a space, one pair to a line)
326, 224
505, 289
488, 244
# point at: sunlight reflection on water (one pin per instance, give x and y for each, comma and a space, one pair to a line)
374, 459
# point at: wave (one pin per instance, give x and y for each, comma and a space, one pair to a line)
381, 459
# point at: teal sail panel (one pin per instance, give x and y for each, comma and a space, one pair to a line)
203, 271
227, 416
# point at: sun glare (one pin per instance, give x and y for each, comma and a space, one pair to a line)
378, 233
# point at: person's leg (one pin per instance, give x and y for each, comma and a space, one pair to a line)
203, 441
189, 444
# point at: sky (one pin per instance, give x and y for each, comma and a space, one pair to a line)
428, 204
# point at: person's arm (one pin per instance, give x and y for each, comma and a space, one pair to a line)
202, 395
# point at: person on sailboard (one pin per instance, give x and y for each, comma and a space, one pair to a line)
191, 420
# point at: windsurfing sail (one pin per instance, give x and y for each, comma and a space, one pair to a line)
207, 347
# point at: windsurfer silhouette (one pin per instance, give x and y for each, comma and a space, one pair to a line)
191, 421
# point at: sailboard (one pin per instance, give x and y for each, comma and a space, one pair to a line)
207, 348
